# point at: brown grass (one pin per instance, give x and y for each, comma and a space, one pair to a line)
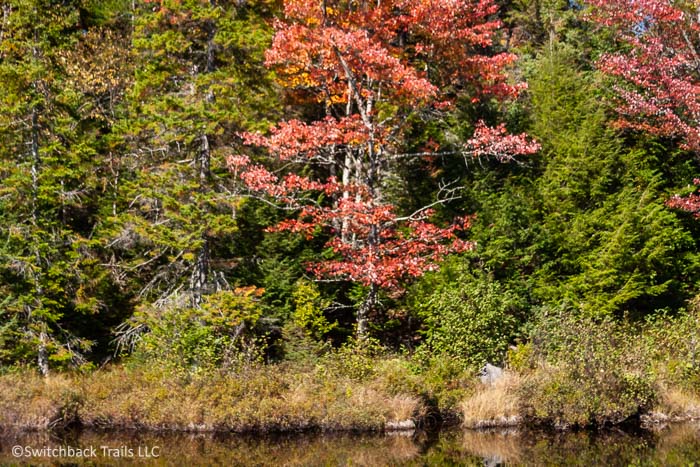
263, 399
676, 404
493, 405
29, 402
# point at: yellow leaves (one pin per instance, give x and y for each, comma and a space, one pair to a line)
232, 308
334, 99
313, 20
99, 64
189, 256
294, 77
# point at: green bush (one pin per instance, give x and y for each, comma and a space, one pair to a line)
224, 332
308, 310
673, 343
354, 360
590, 372
472, 318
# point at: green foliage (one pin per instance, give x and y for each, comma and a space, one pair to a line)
535, 22
47, 190
471, 317
115, 124
592, 372
585, 222
520, 358
354, 360
614, 246
308, 310
198, 80
299, 347
671, 341
224, 332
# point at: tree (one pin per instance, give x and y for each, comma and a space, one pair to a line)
583, 226
46, 185
368, 70
198, 80
658, 68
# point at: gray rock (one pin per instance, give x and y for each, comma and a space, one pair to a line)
490, 374
403, 425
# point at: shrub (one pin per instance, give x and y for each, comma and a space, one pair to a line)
590, 372
308, 310
353, 360
224, 332
472, 318
673, 344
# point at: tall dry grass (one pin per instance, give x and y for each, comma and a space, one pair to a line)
30, 402
493, 405
675, 404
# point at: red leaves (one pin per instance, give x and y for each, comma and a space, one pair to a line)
690, 203
660, 90
401, 252
631, 13
446, 40
258, 178
488, 141
294, 139
372, 64
375, 246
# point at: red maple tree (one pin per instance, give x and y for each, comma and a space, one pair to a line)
370, 65
660, 71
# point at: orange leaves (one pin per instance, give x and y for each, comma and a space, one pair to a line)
310, 46
293, 139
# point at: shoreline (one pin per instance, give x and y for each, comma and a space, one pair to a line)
117, 401
649, 423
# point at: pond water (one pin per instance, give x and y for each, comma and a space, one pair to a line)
670, 446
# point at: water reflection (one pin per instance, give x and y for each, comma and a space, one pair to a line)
675, 445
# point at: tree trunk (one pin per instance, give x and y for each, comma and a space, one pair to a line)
42, 352
204, 162
198, 281
363, 312
43, 355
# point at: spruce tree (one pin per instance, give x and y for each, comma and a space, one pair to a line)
46, 186
198, 80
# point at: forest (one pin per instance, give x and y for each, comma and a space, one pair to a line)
331, 214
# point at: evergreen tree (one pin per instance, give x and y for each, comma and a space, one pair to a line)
198, 81
585, 225
46, 186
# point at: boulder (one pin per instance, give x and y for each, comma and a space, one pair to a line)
490, 374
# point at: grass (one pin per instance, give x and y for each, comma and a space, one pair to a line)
28, 401
265, 398
675, 404
493, 405
509, 402
580, 373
